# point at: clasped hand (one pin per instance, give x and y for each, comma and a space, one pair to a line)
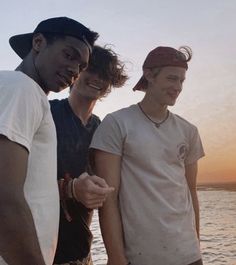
91, 191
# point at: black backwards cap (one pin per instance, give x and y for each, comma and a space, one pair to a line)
22, 43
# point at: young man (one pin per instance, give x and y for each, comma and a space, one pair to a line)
75, 125
149, 155
52, 57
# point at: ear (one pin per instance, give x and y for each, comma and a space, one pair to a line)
38, 42
148, 74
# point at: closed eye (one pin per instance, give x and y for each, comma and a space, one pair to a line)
172, 78
175, 79
68, 55
83, 67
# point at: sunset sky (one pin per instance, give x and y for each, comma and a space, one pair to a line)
133, 28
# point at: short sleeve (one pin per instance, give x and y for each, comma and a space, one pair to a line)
195, 151
21, 112
108, 136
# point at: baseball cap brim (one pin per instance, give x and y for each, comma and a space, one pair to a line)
21, 44
141, 85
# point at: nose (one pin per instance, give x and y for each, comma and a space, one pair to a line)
73, 73
178, 86
96, 78
74, 70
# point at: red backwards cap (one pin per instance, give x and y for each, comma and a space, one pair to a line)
162, 57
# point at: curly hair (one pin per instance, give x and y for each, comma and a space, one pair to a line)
105, 63
186, 53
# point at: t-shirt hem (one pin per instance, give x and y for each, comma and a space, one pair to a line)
190, 260
15, 137
191, 161
101, 148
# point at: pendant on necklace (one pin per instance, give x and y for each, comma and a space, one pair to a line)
157, 124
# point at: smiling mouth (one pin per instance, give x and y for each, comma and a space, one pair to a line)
173, 95
95, 87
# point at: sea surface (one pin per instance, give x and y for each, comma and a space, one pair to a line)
218, 227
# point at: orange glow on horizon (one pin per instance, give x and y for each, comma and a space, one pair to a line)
219, 164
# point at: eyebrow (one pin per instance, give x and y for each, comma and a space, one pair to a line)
174, 75
72, 48
177, 77
77, 52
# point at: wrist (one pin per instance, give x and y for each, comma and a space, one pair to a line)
66, 188
73, 189
69, 192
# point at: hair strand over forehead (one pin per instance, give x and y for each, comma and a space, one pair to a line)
105, 63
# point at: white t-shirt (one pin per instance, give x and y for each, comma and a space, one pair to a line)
155, 202
25, 118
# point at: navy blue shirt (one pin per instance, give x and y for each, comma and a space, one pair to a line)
73, 140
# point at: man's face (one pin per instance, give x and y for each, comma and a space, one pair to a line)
166, 86
58, 64
89, 85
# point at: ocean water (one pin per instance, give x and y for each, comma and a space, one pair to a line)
218, 228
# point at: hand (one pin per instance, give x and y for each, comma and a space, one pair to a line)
91, 191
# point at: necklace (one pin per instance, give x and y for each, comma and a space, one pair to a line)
157, 124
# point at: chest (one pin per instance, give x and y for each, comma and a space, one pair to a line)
145, 143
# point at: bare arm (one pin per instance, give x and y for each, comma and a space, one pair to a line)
18, 240
191, 176
107, 166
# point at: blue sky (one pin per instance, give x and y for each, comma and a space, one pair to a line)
133, 28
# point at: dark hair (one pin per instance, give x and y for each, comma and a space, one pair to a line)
105, 63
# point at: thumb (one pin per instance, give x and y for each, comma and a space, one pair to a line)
83, 176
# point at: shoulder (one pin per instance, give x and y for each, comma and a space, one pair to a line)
119, 121
124, 113
21, 86
57, 105
183, 122
95, 119
18, 89
16, 79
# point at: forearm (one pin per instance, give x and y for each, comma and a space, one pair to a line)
18, 242
196, 210
191, 177
108, 166
112, 232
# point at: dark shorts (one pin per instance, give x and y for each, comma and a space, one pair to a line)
86, 261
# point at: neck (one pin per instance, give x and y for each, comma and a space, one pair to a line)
82, 107
155, 111
27, 67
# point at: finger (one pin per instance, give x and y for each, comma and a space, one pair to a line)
97, 190
99, 181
